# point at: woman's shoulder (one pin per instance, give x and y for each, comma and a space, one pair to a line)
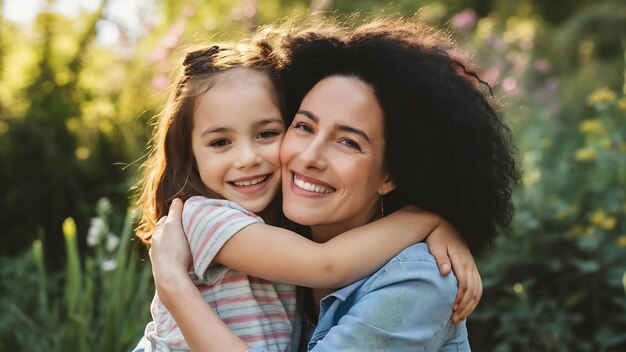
415, 263
418, 252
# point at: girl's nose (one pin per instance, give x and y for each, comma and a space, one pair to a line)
248, 157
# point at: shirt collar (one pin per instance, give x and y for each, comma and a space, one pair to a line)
344, 292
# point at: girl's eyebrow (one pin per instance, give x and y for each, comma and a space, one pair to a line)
256, 125
215, 130
344, 128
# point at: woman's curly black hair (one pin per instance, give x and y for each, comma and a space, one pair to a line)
447, 149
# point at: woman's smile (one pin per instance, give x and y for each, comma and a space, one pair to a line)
309, 186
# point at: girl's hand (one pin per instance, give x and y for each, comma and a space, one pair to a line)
171, 258
169, 250
447, 246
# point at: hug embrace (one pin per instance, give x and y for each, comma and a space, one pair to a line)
324, 188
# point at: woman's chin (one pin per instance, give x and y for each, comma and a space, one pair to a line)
301, 217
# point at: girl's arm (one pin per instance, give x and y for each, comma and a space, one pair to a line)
281, 255
278, 254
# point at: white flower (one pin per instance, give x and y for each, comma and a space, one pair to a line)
96, 230
103, 206
111, 242
109, 264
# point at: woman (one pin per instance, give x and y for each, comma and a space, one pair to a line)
383, 105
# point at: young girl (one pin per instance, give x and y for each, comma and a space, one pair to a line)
217, 147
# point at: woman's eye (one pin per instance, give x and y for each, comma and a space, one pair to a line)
268, 134
350, 144
303, 126
220, 143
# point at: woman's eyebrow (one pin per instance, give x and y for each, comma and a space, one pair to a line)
308, 114
344, 128
356, 131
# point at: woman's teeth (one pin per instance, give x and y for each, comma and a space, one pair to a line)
250, 182
311, 187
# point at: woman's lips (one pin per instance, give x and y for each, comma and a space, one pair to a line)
308, 186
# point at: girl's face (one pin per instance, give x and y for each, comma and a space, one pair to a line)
236, 137
332, 157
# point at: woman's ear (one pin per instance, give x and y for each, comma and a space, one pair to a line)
387, 186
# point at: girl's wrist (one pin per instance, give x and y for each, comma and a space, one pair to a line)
432, 222
170, 278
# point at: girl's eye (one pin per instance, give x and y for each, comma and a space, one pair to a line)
303, 127
268, 134
220, 143
350, 144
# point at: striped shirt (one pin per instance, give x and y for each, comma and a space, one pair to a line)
259, 311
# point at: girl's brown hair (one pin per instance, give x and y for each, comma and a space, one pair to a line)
170, 170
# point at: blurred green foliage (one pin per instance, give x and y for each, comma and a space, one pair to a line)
75, 116
99, 301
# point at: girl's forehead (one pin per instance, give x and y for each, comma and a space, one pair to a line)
242, 78
239, 76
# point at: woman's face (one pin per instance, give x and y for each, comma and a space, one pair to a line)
332, 157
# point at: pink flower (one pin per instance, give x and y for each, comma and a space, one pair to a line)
160, 82
465, 20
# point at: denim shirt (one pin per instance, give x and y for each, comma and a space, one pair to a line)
405, 306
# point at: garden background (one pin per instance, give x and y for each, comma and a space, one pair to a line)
79, 87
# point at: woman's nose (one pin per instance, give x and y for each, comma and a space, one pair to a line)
313, 155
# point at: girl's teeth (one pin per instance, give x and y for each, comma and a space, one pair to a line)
310, 187
250, 182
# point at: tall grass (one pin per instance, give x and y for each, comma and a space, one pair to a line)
99, 302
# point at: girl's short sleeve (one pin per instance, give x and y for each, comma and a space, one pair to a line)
208, 224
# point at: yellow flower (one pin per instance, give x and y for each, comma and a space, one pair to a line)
601, 96
561, 215
594, 126
73, 124
69, 228
545, 143
606, 143
621, 147
518, 288
609, 223
621, 241
530, 177
82, 153
586, 154
598, 217
621, 104
4, 127
484, 28
574, 231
